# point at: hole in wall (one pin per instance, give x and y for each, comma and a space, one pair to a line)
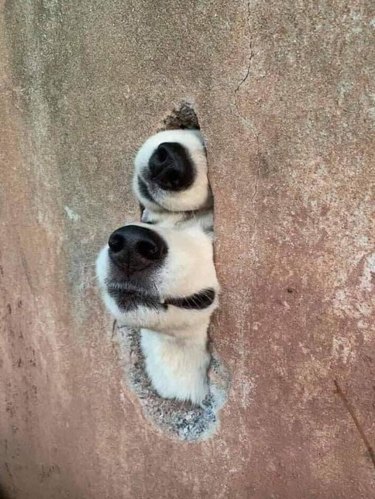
180, 420
182, 116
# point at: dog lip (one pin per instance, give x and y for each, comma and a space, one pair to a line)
130, 298
125, 287
146, 188
197, 301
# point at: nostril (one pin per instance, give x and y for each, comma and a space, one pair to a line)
173, 179
162, 154
159, 161
116, 242
149, 250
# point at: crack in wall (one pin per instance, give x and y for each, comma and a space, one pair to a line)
242, 82
251, 52
350, 410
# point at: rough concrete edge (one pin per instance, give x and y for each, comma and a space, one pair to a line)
179, 420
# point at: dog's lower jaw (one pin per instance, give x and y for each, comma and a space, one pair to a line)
177, 367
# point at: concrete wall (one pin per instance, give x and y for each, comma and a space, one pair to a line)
283, 94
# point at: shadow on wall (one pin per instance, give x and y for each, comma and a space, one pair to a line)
3, 493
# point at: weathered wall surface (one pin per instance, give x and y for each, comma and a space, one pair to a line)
283, 93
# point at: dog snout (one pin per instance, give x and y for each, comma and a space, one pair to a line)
134, 248
171, 167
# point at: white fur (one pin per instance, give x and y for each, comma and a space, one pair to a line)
197, 196
173, 340
179, 219
178, 366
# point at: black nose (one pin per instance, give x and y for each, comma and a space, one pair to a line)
134, 248
171, 167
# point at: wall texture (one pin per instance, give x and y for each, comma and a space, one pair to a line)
283, 94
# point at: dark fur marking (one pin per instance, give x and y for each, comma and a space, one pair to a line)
198, 301
130, 300
143, 189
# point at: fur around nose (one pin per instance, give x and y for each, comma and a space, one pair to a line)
134, 248
171, 167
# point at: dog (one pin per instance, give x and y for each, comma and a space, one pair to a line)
158, 275
170, 179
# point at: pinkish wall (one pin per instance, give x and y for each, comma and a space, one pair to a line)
283, 93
